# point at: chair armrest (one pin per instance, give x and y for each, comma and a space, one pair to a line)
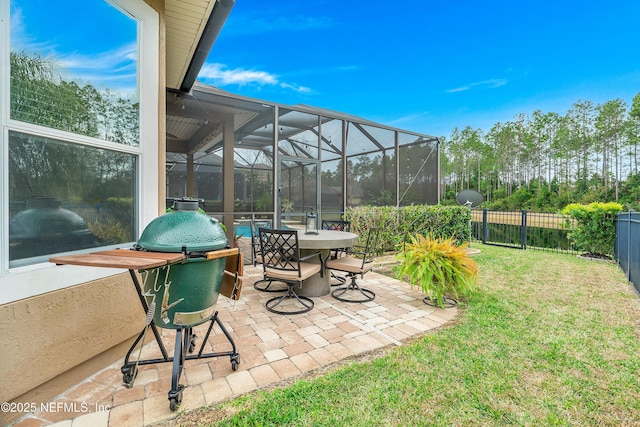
306, 257
315, 254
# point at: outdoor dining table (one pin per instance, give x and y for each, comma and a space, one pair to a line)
324, 241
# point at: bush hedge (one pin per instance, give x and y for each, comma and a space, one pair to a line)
595, 226
396, 223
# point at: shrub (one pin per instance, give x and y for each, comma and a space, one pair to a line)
439, 267
396, 223
594, 229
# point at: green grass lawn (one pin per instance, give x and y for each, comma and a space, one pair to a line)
549, 339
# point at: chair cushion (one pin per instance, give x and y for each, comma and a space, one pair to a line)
307, 270
349, 264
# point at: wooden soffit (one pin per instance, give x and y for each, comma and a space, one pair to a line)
185, 24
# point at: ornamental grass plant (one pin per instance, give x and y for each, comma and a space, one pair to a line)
440, 267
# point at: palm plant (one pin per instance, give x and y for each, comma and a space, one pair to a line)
443, 269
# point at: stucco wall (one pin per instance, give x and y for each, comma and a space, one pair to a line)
46, 335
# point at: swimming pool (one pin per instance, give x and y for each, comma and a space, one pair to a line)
244, 230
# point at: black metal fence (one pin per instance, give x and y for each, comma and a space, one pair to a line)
522, 230
543, 231
627, 246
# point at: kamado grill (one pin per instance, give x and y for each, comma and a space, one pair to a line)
184, 294
184, 264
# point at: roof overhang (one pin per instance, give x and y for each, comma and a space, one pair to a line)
191, 29
195, 120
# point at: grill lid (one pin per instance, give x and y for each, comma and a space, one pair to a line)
183, 227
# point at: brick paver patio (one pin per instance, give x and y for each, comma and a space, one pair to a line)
272, 348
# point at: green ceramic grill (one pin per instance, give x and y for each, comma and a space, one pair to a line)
183, 294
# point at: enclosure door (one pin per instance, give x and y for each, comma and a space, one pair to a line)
298, 184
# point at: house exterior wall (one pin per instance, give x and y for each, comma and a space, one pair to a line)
46, 335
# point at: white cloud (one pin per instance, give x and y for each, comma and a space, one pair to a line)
410, 118
219, 75
116, 60
238, 76
491, 84
114, 69
299, 89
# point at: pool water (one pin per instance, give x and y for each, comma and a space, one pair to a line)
244, 230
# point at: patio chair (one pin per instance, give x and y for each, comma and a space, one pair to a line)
358, 261
281, 261
255, 244
262, 285
337, 225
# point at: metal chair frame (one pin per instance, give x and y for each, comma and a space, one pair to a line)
262, 285
281, 261
337, 225
255, 244
358, 261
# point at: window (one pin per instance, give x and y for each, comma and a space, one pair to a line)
72, 73
78, 130
64, 197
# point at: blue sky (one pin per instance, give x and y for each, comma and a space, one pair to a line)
101, 51
430, 66
420, 65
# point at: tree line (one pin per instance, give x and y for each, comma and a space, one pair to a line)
544, 161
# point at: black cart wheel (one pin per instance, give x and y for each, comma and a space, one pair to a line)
129, 375
235, 362
192, 343
174, 404
175, 399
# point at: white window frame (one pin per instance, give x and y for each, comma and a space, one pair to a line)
24, 282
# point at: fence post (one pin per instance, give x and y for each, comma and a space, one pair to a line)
484, 226
628, 247
523, 244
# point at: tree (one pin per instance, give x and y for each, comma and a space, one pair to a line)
44, 166
610, 123
589, 154
633, 134
580, 123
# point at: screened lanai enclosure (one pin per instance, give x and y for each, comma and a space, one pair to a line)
247, 159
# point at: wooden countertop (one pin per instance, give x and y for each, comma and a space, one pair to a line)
120, 258
133, 260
